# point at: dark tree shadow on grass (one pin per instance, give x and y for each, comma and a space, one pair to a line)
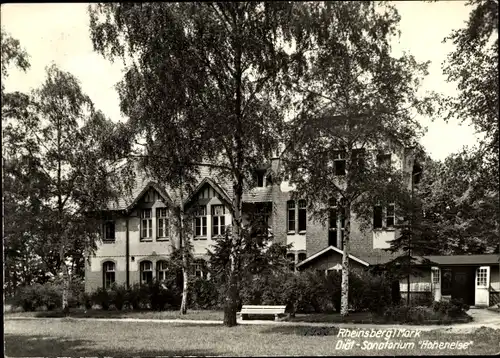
47, 346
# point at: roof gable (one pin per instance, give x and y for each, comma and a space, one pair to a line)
329, 249
220, 193
150, 185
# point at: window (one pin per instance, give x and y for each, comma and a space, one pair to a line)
109, 231
332, 224
146, 225
161, 270
339, 162
377, 217
269, 180
435, 276
302, 256
200, 222
199, 268
302, 216
218, 220
146, 272
358, 158
342, 226
291, 216
383, 159
149, 197
291, 261
162, 223
108, 269
482, 277
260, 179
390, 216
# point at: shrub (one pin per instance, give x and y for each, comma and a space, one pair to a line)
101, 298
369, 292
49, 295
27, 297
85, 300
203, 294
118, 296
409, 314
137, 296
454, 308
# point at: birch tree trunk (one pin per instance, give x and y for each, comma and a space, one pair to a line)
231, 299
185, 268
344, 306
65, 278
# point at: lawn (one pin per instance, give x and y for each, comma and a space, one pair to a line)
205, 315
68, 337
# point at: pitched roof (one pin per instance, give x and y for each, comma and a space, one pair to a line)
218, 189
222, 186
487, 259
328, 249
456, 260
128, 201
258, 195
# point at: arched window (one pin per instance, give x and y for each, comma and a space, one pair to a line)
108, 270
161, 270
302, 256
200, 268
146, 272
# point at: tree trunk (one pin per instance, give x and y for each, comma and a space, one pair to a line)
344, 306
65, 289
185, 268
231, 299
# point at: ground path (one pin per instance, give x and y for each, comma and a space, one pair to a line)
482, 318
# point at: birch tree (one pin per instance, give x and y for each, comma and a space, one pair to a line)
355, 101
214, 72
61, 136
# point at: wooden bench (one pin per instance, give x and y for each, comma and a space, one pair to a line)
262, 310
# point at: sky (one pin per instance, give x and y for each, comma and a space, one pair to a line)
59, 33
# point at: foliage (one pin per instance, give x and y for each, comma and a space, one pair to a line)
354, 101
137, 296
370, 292
11, 53
444, 312
58, 174
203, 294
205, 85
458, 206
473, 173
306, 292
453, 308
473, 65
117, 296
101, 297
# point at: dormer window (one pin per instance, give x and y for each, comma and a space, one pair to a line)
150, 196
146, 225
200, 222
339, 162
260, 179
162, 224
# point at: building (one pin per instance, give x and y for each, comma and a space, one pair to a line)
137, 236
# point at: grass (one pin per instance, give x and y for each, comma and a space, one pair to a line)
205, 315
67, 337
211, 315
